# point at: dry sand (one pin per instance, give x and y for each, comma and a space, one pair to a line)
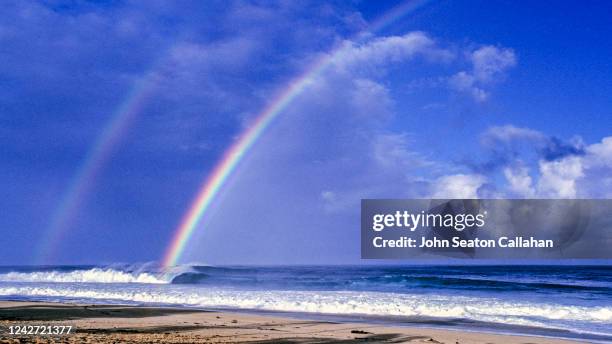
124, 324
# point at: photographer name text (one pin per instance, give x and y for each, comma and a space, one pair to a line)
458, 242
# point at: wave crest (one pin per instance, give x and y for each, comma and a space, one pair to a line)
95, 275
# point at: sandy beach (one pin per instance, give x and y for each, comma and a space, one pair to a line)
126, 324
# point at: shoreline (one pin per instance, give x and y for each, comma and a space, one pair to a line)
139, 324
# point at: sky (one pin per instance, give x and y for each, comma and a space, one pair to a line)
471, 99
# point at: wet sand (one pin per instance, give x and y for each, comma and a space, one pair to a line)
127, 324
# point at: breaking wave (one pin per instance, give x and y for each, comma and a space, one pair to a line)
94, 275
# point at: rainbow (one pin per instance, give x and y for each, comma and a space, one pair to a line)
234, 154
97, 156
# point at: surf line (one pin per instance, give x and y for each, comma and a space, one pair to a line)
234, 154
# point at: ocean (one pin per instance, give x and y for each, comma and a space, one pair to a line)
555, 301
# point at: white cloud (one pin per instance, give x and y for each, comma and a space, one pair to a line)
597, 165
490, 62
510, 133
392, 49
370, 100
558, 178
465, 82
392, 151
458, 186
582, 175
520, 181
600, 154
489, 65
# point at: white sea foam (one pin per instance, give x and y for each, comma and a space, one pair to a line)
328, 302
95, 275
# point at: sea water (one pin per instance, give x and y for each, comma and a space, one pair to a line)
557, 301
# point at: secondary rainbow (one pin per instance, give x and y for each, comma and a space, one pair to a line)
234, 154
97, 156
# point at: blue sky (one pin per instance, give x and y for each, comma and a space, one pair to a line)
456, 99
